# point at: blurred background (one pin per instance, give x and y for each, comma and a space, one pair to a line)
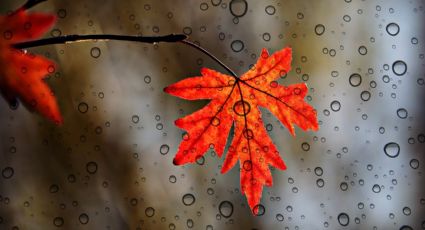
110, 165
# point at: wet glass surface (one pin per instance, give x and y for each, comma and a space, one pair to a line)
110, 165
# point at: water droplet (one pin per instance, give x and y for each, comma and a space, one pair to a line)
346, 18
362, 50
279, 217
203, 6
318, 171
7, 172
226, 209
393, 29
54, 188
335, 106
172, 179
407, 211
343, 186
305, 146
266, 37
238, 8
83, 218
215, 121
190, 223
402, 113
187, 30
259, 210
414, 164
188, 199
319, 29
164, 149
241, 108
270, 10
320, 182
95, 52
215, 2
237, 45
355, 79
343, 219
392, 149
61, 13
399, 68
91, 167
135, 119
58, 221
147, 79
376, 188
83, 107
149, 212
365, 95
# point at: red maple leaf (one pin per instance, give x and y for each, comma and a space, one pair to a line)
235, 101
22, 73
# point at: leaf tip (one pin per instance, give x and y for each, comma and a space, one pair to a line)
176, 162
166, 89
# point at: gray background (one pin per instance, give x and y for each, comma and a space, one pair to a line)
132, 176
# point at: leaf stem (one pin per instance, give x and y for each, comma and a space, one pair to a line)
95, 37
29, 4
203, 50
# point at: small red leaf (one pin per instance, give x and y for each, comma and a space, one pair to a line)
21, 73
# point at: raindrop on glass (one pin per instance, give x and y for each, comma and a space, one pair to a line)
259, 210
83, 218
343, 219
414, 164
135, 119
149, 212
188, 199
7, 172
393, 29
91, 167
95, 52
238, 8
319, 29
402, 113
355, 79
226, 209
58, 221
399, 68
392, 149
270, 10
164, 149
365, 95
237, 45
335, 106
83, 107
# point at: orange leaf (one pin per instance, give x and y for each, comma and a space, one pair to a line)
236, 101
21, 73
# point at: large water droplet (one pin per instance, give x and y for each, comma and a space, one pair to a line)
226, 209
393, 29
237, 45
399, 68
392, 149
238, 8
343, 219
188, 199
355, 79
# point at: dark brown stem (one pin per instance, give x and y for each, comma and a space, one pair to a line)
30, 3
192, 44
